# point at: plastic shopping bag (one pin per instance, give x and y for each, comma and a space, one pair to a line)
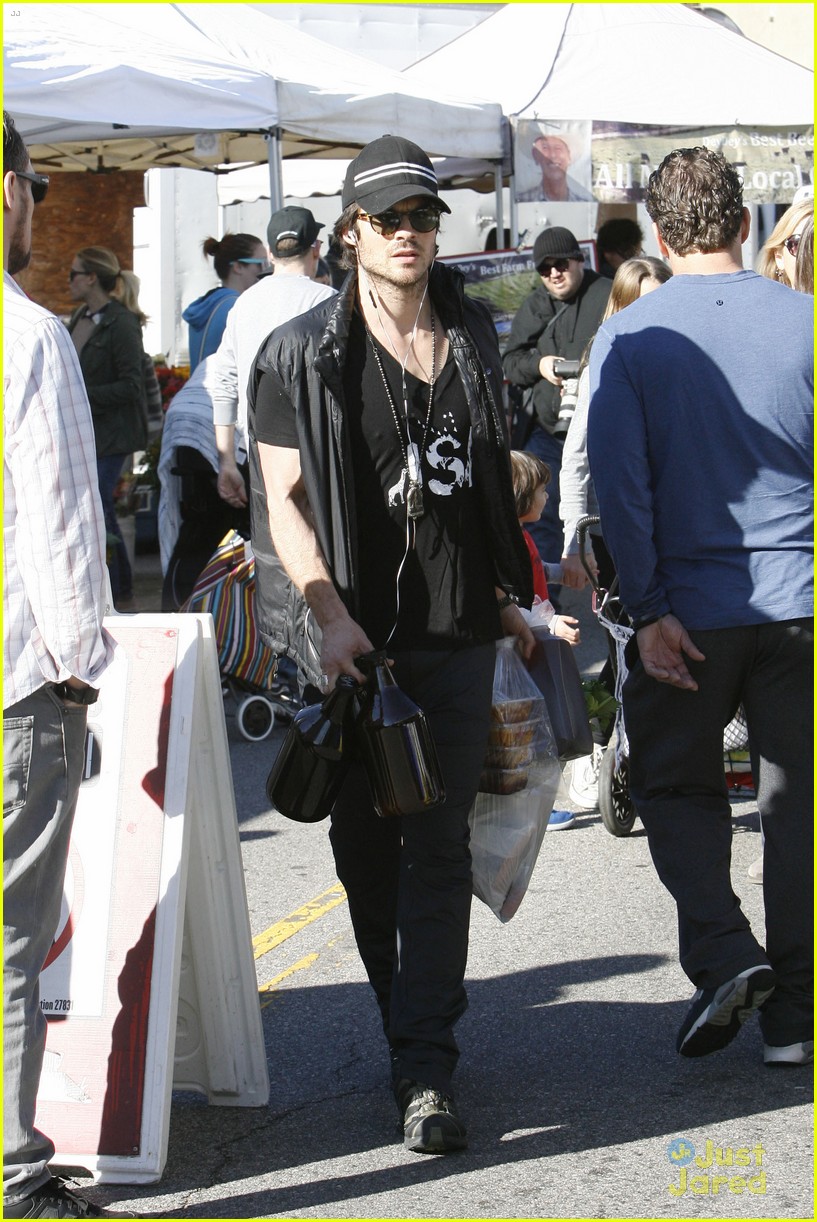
553, 668
506, 836
517, 787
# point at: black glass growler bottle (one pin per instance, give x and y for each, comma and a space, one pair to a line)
313, 761
395, 744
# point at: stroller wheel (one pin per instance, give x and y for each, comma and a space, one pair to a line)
256, 717
615, 804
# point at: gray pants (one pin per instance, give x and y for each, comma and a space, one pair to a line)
408, 879
43, 748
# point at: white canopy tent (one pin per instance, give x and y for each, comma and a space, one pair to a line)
131, 86
657, 64
632, 63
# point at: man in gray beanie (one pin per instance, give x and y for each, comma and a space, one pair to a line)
555, 322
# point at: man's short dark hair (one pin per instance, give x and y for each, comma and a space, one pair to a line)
15, 153
695, 198
621, 236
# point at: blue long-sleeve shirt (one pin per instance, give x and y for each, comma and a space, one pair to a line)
700, 440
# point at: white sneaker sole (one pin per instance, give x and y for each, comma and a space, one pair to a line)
789, 1054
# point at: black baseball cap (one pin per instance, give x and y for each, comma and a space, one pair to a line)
388, 170
293, 222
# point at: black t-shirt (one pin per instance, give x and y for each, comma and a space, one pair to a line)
446, 591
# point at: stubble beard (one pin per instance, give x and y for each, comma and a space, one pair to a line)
19, 253
388, 278
18, 258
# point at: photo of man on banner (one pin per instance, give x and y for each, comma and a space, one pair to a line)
552, 161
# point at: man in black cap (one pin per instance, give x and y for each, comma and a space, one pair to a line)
555, 322
292, 235
383, 518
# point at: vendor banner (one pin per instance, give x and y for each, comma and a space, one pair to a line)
773, 164
612, 162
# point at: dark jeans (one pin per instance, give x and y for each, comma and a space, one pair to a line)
409, 879
548, 532
109, 470
677, 783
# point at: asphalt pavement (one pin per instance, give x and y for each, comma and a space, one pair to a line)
576, 1102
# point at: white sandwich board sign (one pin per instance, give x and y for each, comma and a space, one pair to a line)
150, 983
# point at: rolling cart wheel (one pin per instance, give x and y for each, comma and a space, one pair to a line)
615, 804
255, 716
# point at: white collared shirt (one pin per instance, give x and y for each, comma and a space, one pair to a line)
54, 579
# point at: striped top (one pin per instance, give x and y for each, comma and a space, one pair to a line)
54, 576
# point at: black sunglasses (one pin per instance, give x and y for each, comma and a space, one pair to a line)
39, 184
554, 265
72, 275
423, 220
792, 244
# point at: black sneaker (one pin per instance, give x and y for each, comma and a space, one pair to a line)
56, 1200
430, 1121
716, 1015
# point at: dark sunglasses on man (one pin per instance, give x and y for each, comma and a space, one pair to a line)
39, 184
554, 265
422, 219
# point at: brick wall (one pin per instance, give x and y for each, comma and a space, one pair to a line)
80, 209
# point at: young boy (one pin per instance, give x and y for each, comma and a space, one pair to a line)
530, 479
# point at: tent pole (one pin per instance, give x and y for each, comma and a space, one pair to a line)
500, 219
514, 220
276, 181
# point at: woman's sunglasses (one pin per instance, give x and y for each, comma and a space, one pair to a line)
39, 184
423, 220
792, 244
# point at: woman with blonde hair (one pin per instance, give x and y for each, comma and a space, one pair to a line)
126, 290
108, 340
804, 266
778, 255
632, 280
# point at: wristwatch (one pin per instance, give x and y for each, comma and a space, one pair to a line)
77, 695
507, 601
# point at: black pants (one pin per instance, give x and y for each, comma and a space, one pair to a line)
677, 782
206, 518
409, 879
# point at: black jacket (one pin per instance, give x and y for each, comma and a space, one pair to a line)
532, 336
308, 355
112, 366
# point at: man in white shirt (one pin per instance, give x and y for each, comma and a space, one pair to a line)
54, 652
295, 248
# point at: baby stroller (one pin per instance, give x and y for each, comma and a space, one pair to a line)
616, 807
249, 669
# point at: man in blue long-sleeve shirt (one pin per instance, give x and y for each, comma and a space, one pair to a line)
700, 444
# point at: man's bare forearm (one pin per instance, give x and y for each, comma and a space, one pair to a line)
293, 532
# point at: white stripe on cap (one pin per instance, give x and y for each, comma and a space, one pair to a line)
367, 177
286, 233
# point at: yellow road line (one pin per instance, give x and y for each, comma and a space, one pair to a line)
272, 986
313, 910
